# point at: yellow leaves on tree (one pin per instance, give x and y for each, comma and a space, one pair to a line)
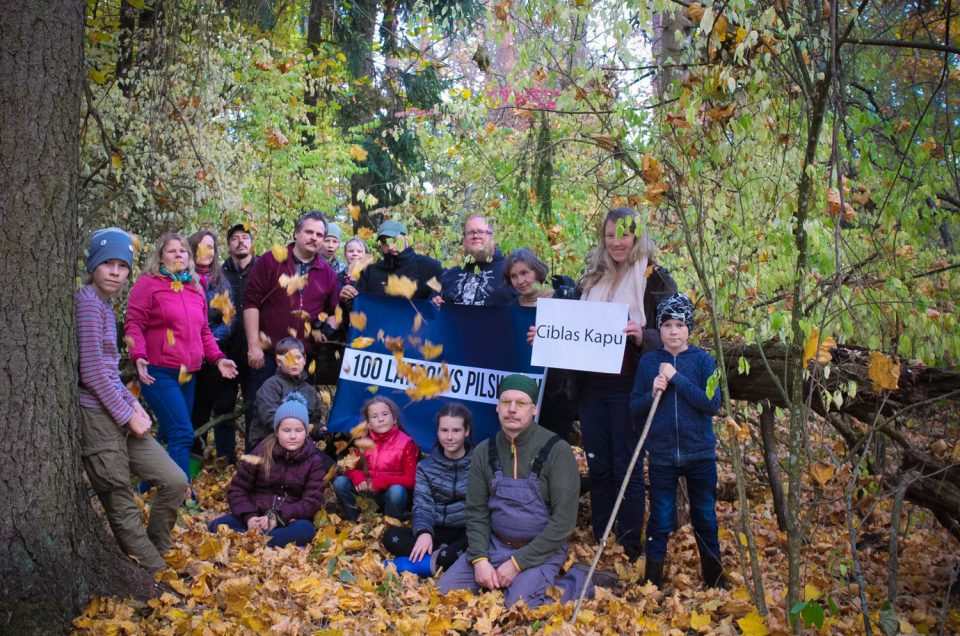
400, 286
354, 211
694, 12
816, 349
294, 283
652, 174
222, 302
275, 139
884, 371
502, 9
834, 207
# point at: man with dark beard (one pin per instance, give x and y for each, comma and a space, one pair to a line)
479, 279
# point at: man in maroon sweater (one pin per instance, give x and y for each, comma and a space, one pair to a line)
296, 296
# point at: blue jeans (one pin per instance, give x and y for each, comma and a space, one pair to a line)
609, 440
701, 476
392, 501
172, 403
300, 531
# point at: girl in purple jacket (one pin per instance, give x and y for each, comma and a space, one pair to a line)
280, 489
169, 338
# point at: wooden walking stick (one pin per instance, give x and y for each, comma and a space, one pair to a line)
616, 505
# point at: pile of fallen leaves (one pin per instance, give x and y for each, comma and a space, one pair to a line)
228, 583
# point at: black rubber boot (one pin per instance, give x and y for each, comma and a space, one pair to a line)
712, 570
654, 573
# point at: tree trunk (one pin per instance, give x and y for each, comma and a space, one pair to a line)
54, 553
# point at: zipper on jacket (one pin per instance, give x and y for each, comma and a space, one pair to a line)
676, 414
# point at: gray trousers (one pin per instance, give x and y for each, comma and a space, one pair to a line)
529, 585
110, 454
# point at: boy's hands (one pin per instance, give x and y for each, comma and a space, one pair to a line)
667, 370
659, 384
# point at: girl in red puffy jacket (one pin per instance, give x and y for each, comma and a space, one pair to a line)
387, 467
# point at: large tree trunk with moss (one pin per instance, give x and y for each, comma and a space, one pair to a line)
54, 552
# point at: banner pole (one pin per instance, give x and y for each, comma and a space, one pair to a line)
616, 505
543, 386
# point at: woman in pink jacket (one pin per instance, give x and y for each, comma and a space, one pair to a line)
169, 338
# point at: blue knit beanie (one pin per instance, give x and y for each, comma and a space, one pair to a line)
111, 242
334, 230
676, 306
294, 405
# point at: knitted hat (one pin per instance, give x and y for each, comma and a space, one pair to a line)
294, 405
676, 306
391, 229
108, 243
334, 230
519, 382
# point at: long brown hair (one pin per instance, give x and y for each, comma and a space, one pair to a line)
379, 399
599, 262
215, 278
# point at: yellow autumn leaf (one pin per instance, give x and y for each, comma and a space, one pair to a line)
400, 286
116, 160
134, 387
430, 350
417, 322
276, 139
699, 621
176, 285
324, 394
373, 388
357, 153
97, 75
434, 284
294, 283
816, 349
223, 302
361, 342
822, 472
354, 211
204, 251
359, 430
811, 592
312, 368
264, 340
338, 315
170, 339
358, 320
884, 371
753, 625
365, 233
184, 375
291, 359
279, 252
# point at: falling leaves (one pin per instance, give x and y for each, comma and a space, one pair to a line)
294, 283
223, 302
400, 286
170, 339
279, 252
275, 139
816, 349
361, 342
417, 322
264, 340
176, 285
357, 153
354, 211
435, 285
184, 375
358, 320
430, 350
884, 371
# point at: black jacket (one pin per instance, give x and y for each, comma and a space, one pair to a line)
235, 346
440, 492
416, 267
478, 283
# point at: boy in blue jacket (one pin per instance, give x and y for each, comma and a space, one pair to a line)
681, 442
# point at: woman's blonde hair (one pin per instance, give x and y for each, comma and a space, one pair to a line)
599, 262
156, 256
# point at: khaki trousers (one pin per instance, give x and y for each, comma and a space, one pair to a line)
110, 454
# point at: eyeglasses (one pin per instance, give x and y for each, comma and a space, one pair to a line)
520, 404
477, 233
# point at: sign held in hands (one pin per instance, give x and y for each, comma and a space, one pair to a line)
580, 335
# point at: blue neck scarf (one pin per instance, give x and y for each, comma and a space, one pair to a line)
183, 277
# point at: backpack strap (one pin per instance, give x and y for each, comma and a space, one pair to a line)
493, 457
542, 455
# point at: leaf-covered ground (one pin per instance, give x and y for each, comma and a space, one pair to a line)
229, 583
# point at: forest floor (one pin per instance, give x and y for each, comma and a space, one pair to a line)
229, 583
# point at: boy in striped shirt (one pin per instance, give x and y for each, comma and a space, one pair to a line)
114, 427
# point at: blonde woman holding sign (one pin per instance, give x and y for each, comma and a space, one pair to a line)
621, 268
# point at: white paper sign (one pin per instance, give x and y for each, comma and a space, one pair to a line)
579, 334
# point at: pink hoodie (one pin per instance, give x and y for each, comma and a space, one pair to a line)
154, 309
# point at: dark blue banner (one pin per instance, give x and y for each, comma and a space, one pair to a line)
479, 346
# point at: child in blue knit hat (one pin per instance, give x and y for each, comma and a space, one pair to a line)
114, 428
278, 489
681, 441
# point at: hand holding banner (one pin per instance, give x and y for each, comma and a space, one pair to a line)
580, 335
